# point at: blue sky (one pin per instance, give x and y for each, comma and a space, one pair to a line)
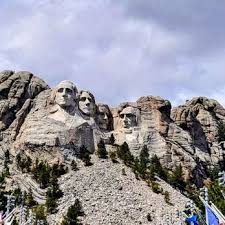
119, 49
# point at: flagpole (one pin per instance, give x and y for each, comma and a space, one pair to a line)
206, 213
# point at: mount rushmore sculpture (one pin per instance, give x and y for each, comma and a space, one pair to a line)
34, 117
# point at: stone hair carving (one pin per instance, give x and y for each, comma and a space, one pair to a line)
104, 117
128, 117
65, 95
86, 103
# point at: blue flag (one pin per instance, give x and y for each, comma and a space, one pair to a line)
211, 217
193, 220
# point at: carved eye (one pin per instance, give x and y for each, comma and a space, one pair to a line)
83, 99
69, 91
130, 115
60, 90
121, 116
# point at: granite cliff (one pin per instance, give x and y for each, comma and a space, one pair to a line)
53, 124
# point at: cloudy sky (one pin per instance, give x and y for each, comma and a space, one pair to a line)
119, 49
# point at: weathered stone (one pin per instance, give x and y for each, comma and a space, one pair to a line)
200, 117
15, 89
55, 121
155, 113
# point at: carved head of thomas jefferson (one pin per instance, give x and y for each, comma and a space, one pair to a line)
86, 103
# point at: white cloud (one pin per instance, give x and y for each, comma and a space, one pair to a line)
107, 48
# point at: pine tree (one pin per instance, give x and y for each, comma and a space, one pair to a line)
85, 156
30, 202
149, 217
167, 197
55, 188
101, 151
112, 139
15, 222
18, 159
3, 198
113, 156
6, 171
151, 174
157, 168
73, 213
51, 201
140, 165
28, 163
7, 158
216, 196
177, 179
52, 195
144, 157
40, 213
124, 153
43, 174
18, 195
74, 165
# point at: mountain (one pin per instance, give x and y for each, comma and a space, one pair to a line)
50, 141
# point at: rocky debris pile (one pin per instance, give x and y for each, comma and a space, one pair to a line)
109, 197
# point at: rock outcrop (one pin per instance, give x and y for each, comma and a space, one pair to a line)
17, 90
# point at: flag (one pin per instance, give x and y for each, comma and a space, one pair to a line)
193, 219
212, 219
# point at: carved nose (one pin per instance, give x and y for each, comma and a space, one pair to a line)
125, 117
87, 102
105, 117
64, 92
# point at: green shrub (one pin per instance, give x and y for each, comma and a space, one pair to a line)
112, 139
74, 165
155, 187
85, 156
167, 197
101, 150
52, 195
29, 201
123, 152
73, 214
177, 178
149, 217
113, 156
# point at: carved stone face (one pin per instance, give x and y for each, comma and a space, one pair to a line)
65, 95
103, 117
128, 117
86, 103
